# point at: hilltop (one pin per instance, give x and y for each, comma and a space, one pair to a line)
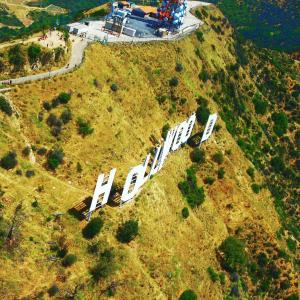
124, 95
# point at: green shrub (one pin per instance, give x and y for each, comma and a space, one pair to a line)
47, 105
84, 127
34, 53
53, 290
16, 58
212, 274
5, 106
209, 180
255, 188
292, 245
69, 260
92, 228
280, 123
185, 213
128, 231
278, 164
179, 67
165, 130
55, 158
204, 75
66, 116
200, 36
260, 105
218, 158
192, 193
161, 99
221, 173
235, 256
188, 295
250, 172
114, 87
198, 156
202, 114
262, 259
105, 267
26, 151
173, 82
9, 160
64, 98
2, 66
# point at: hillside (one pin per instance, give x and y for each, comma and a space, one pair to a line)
269, 23
241, 241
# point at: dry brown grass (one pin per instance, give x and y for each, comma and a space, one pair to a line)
170, 254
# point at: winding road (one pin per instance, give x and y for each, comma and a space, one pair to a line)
191, 23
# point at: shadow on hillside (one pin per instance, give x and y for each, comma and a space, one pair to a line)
194, 141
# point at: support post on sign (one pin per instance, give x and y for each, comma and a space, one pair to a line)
209, 128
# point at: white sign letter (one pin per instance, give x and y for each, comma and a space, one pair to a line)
137, 177
103, 186
209, 127
189, 128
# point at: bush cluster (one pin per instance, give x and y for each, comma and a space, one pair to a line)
235, 256
84, 127
105, 267
9, 160
192, 193
218, 158
55, 158
128, 231
92, 228
198, 156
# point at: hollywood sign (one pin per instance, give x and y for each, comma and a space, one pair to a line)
138, 175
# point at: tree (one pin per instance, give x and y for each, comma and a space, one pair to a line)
200, 36
193, 194
114, 87
221, 173
165, 130
16, 58
5, 106
66, 116
84, 127
105, 267
218, 158
58, 53
55, 158
53, 290
188, 295
128, 231
260, 105
185, 213
198, 156
9, 160
46, 57
278, 164
69, 260
92, 228
235, 256
64, 98
179, 67
202, 114
34, 53
281, 123
173, 82
2, 66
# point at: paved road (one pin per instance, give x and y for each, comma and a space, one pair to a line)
77, 54
78, 46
